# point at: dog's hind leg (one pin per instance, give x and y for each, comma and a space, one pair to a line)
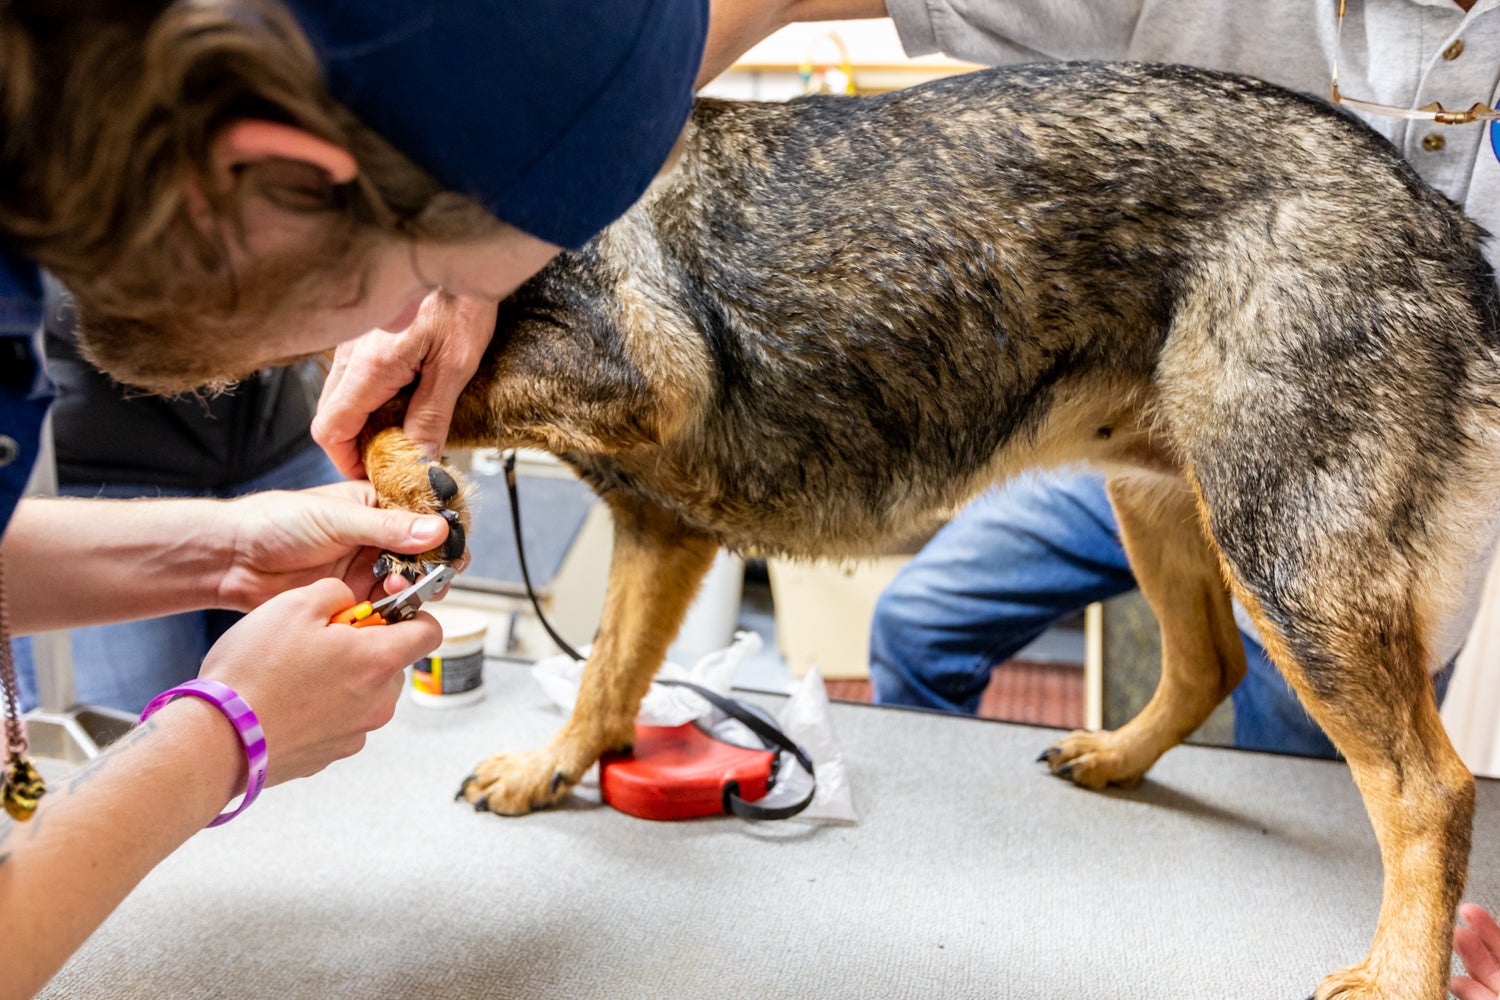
658, 564
1365, 682
1352, 588
1202, 659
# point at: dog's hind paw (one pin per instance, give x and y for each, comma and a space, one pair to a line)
406, 479
514, 784
1094, 760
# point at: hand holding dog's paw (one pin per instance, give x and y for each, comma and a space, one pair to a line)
406, 479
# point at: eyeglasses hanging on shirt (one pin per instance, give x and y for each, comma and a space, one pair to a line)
1433, 112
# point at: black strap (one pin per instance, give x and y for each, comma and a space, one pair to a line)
515, 520
771, 736
767, 731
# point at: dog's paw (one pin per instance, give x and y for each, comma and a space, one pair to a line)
1357, 982
1094, 760
406, 479
514, 784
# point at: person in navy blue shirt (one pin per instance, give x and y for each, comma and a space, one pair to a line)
229, 185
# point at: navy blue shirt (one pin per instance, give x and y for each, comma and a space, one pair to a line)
24, 390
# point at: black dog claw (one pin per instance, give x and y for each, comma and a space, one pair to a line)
465, 786
1064, 771
383, 566
1047, 754
442, 484
481, 805
557, 780
453, 545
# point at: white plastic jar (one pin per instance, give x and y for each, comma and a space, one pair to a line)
453, 676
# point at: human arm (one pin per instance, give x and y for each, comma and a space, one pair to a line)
1478, 945
73, 562
317, 690
734, 25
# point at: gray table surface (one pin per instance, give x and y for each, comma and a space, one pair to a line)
971, 874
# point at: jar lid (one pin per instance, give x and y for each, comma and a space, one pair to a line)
458, 622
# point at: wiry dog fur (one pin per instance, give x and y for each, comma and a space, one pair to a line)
837, 320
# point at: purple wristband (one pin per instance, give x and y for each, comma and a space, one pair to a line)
224, 698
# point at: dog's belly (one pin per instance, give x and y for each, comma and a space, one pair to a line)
788, 493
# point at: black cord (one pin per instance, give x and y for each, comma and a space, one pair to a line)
515, 520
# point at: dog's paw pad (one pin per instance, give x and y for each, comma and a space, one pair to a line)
444, 486
457, 540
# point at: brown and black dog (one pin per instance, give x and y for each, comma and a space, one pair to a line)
837, 320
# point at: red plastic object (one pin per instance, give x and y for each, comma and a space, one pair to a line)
679, 772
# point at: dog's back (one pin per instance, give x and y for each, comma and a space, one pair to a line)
899, 299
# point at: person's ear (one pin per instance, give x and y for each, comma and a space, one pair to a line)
253, 139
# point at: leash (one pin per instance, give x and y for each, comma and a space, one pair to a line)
763, 728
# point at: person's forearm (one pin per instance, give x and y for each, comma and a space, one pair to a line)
101, 829
84, 562
736, 25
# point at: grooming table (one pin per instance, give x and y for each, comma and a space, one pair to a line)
971, 874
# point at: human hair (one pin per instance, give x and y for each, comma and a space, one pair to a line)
108, 113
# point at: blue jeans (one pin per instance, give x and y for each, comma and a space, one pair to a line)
1012, 564
126, 665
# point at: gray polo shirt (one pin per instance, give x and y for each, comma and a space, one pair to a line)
1398, 52
1405, 53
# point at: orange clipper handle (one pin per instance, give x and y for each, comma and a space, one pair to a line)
359, 616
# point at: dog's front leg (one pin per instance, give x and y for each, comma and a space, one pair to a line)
657, 566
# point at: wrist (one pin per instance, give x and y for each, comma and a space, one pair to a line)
193, 729
241, 717
191, 547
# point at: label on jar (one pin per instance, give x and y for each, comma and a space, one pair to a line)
439, 675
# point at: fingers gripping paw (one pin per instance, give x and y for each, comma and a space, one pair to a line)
406, 479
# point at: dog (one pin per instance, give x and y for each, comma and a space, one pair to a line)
836, 320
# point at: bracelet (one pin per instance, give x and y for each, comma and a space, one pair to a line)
224, 698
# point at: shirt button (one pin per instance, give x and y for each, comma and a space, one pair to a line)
1432, 142
1455, 50
8, 450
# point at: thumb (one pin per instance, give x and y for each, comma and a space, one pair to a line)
398, 530
321, 599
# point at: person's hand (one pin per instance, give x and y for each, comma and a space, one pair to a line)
289, 539
1478, 945
444, 346
317, 688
